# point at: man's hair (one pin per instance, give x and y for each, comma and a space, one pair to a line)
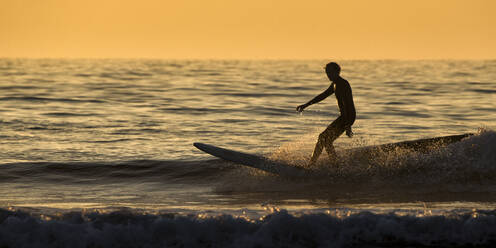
334, 66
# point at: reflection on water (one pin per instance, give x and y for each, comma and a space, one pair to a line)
107, 110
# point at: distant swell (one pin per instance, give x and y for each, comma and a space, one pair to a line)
280, 229
44, 99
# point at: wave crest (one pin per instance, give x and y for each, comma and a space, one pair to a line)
471, 160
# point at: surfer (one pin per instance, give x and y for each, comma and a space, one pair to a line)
342, 90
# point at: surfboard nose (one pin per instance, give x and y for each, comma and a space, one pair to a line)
199, 145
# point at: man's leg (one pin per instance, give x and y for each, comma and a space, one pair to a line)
333, 132
326, 138
318, 150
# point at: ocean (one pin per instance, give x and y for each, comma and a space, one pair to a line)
98, 153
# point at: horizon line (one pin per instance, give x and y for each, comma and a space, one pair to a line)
241, 59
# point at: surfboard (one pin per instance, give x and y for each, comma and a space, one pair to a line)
264, 164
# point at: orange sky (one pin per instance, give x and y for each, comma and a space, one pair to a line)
249, 29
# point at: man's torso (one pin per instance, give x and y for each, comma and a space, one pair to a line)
344, 96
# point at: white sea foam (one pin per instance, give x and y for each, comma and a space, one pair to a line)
336, 228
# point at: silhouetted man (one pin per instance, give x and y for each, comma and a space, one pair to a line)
342, 89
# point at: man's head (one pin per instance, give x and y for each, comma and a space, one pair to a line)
332, 70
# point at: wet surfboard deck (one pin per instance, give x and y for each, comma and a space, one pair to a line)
264, 164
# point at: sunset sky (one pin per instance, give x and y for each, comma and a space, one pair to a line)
249, 29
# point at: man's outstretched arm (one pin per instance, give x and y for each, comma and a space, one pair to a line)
317, 99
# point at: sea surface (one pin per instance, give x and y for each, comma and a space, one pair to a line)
98, 153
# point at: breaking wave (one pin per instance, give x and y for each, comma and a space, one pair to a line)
464, 170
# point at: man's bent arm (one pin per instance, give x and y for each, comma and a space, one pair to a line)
322, 96
317, 99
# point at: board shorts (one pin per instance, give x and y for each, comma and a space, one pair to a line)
335, 129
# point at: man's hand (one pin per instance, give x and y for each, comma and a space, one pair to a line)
349, 133
301, 107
